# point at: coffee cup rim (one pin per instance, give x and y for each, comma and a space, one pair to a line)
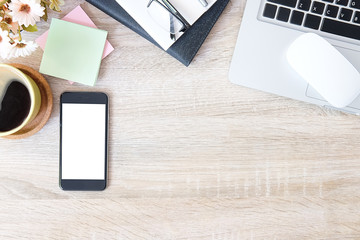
28, 85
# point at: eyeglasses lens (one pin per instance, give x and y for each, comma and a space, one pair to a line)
164, 18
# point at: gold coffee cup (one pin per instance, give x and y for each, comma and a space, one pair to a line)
20, 100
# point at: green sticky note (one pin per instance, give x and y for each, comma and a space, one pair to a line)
73, 52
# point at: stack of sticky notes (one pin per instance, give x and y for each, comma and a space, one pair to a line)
79, 16
73, 52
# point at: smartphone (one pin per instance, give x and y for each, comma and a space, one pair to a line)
83, 141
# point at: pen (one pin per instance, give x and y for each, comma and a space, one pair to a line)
203, 2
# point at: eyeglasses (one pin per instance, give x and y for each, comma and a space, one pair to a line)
166, 15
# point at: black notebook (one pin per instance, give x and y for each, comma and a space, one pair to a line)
186, 47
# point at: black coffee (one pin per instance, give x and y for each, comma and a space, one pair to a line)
15, 106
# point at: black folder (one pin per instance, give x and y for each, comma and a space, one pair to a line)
186, 47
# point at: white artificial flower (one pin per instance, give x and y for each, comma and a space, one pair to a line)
22, 49
26, 12
14, 26
5, 46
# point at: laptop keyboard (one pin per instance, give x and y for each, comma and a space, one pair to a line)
339, 17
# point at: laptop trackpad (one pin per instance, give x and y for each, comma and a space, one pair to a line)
354, 58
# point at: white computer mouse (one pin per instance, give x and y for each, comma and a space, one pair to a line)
325, 69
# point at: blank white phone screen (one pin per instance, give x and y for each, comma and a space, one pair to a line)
83, 141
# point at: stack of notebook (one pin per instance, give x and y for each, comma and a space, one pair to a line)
186, 47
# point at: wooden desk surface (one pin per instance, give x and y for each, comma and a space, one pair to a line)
191, 155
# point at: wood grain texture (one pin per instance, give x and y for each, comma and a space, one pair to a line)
191, 156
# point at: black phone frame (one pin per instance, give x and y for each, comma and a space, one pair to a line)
84, 184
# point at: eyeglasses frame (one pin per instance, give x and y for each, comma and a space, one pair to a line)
171, 9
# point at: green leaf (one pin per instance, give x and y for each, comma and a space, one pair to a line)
30, 28
4, 26
45, 16
2, 2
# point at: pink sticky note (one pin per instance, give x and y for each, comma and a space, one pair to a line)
80, 17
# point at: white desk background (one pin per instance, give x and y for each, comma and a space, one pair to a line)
191, 155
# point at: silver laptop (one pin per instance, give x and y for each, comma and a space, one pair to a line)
268, 28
